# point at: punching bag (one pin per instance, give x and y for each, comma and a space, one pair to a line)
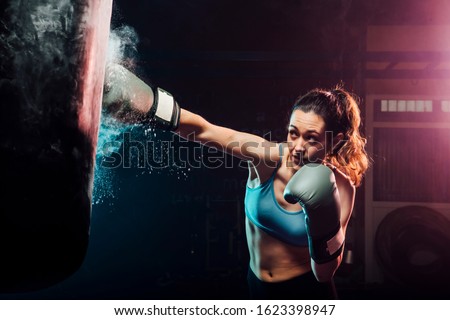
52, 61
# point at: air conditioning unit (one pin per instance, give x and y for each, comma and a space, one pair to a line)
407, 191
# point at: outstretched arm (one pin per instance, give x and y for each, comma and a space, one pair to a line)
240, 144
129, 99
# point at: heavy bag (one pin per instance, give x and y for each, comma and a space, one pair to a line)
52, 61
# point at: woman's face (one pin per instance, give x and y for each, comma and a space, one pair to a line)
306, 139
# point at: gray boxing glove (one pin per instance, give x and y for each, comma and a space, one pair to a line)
314, 187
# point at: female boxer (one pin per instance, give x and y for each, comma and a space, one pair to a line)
300, 193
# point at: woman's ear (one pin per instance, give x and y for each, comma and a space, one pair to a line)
338, 142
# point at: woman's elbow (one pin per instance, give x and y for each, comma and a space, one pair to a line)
322, 277
324, 272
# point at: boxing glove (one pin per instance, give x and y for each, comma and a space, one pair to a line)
314, 187
129, 99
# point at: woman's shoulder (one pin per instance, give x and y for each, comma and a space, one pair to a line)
343, 181
262, 171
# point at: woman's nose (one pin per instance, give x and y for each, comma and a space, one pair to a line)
299, 146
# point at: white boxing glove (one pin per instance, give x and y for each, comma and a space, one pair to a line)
131, 100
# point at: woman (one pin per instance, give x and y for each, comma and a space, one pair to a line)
294, 248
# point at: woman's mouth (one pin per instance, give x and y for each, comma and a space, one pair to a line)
296, 159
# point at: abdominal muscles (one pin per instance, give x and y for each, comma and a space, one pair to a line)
273, 260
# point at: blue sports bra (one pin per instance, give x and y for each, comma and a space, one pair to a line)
262, 208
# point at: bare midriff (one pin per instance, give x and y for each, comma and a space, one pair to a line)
273, 260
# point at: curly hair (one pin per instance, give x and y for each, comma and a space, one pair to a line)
341, 114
